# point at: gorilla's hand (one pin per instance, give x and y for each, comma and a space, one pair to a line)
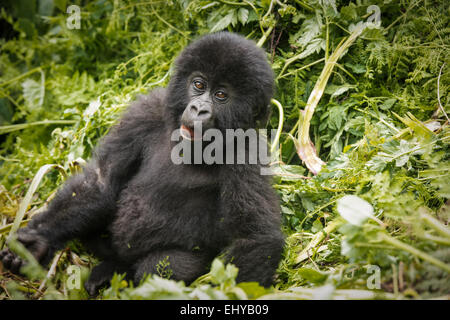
34, 242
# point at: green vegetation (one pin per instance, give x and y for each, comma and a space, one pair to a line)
374, 98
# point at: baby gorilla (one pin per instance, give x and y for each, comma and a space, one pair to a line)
133, 207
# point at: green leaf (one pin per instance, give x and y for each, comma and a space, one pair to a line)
311, 275
315, 46
243, 15
223, 23
218, 270
356, 68
61, 4
33, 93
286, 210
387, 104
316, 226
221, 274
337, 114
27, 27
46, 7
289, 172
311, 28
348, 13
337, 90
6, 111
252, 289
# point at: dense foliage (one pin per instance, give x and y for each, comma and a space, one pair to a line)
381, 126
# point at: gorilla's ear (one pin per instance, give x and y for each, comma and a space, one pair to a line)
262, 116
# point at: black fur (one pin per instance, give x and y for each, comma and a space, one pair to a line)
133, 207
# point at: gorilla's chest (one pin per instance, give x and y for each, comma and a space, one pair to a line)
168, 205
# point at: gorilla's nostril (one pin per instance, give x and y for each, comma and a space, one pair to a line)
194, 108
204, 113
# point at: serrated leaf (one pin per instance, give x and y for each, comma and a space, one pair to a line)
402, 154
336, 91
356, 68
387, 104
310, 29
252, 16
336, 116
33, 93
313, 47
223, 23
243, 15
286, 210
349, 13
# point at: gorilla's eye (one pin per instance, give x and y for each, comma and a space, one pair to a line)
220, 95
199, 85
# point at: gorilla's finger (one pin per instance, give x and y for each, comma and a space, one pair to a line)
15, 265
27, 238
34, 243
39, 250
3, 253
7, 260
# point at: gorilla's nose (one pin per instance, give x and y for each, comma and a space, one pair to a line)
200, 112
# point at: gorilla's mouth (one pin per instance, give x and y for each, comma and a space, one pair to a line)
187, 133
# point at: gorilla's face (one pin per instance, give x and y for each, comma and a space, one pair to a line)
221, 81
207, 101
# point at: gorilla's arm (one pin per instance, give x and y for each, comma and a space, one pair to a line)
251, 203
87, 201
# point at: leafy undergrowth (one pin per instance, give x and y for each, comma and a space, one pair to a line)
373, 224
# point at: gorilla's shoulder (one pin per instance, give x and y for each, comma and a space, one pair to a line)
146, 109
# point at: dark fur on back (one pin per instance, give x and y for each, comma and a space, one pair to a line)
133, 207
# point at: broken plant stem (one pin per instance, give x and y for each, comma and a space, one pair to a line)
318, 237
305, 149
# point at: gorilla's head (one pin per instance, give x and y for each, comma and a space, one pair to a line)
222, 80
